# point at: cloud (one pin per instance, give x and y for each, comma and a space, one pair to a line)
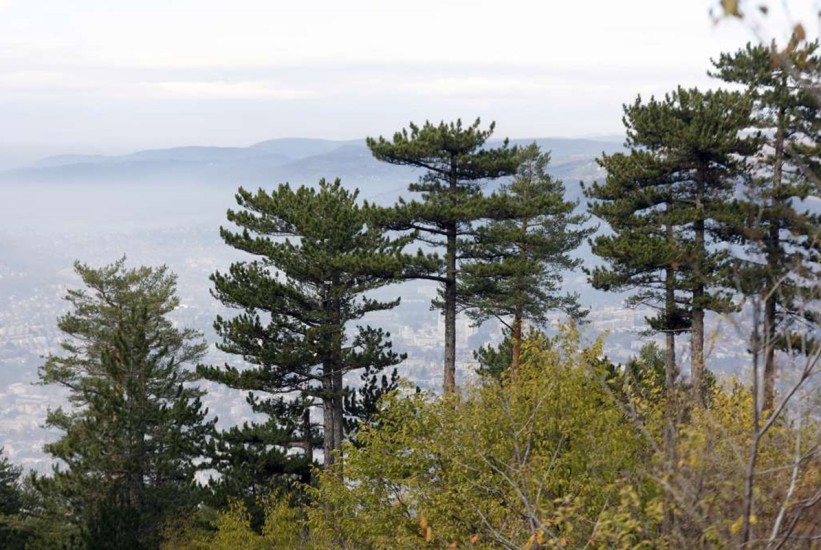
56, 83
227, 90
37, 81
485, 87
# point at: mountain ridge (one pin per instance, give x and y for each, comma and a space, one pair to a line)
299, 161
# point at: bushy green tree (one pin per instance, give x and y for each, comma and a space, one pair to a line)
516, 462
317, 257
456, 163
135, 427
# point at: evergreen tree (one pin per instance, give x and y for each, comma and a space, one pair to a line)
494, 361
11, 502
514, 270
643, 251
135, 425
254, 460
781, 236
318, 255
457, 163
666, 202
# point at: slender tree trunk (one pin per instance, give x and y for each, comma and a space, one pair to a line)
332, 400
670, 370
697, 347
774, 269
308, 444
520, 306
670, 377
450, 313
450, 295
517, 341
768, 389
339, 413
328, 416
697, 330
329, 365
752, 459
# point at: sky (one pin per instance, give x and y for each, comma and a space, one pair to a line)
112, 76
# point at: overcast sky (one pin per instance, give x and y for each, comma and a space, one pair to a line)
115, 75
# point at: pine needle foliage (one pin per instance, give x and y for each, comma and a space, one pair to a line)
456, 163
317, 256
135, 425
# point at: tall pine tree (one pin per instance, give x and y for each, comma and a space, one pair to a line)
782, 237
643, 252
135, 425
667, 204
456, 164
515, 265
318, 255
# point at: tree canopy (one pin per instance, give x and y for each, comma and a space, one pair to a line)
317, 255
456, 163
514, 265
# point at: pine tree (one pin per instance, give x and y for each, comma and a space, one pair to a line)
515, 262
457, 163
11, 503
135, 425
318, 254
643, 252
781, 236
254, 460
666, 202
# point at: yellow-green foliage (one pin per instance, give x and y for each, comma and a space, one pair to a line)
282, 530
562, 453
713, 454
535, 458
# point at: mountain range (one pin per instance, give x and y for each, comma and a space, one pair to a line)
296, 160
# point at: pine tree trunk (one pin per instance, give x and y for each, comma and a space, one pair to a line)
332, 376
517, 342
670, 370
697, 350
308, 444
670, 376
328, 416
752, 460
697, 330
768, 390
450, 296
339, 418
774, 268
450, 313
520, 306
670, 393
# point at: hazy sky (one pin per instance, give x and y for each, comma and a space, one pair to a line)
117, 75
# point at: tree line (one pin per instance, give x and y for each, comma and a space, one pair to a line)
708, 209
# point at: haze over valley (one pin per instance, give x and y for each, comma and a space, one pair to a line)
165, 206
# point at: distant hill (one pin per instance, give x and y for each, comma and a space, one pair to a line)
295, 160
298, 148
193, 154
565, 149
